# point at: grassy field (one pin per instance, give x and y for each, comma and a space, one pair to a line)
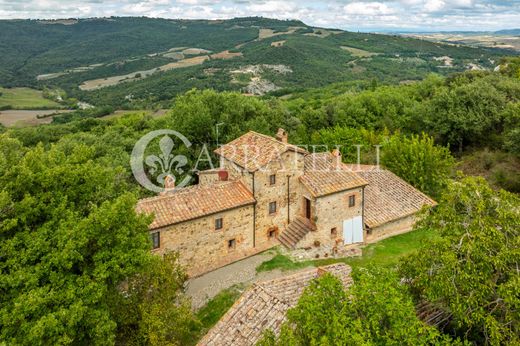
25, 98
384, 253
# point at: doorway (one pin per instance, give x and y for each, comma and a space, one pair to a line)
307, 208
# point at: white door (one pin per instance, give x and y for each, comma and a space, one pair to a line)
357, 226
353, 230
348, 235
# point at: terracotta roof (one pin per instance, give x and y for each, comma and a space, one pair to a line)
324, 175
264, 306
194, 202
254, 150
388, 197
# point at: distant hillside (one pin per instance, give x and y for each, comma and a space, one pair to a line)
137, 62
515, 32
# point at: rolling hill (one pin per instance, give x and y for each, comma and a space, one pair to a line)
138, 62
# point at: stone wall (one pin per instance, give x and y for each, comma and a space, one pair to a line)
284, 192
208, 177
390, 229
328, 212
202, 248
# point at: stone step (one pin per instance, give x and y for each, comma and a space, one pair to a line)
290, 234
286, 242
295, 232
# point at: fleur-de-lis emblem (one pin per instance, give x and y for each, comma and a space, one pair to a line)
165, 161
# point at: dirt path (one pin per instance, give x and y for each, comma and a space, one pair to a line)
207, 286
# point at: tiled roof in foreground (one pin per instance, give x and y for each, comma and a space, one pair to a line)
324, 175
254, 150
388, 197
194, 202
264, 306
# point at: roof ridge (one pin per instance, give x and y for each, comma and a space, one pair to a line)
188, 189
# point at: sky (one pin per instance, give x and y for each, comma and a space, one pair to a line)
362, 15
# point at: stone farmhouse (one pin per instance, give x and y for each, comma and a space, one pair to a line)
268, 192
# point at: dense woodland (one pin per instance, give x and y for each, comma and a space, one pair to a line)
75, 260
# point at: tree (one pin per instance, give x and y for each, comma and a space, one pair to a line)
152, 309
419, 161
471, 271
375, 310
70, 240
466, 111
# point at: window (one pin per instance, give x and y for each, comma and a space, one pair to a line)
231, 244
272, 207
272, 233
218, 223
351, 201
156, 240
333, 232
272, 179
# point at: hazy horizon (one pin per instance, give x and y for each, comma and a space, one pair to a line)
352, 15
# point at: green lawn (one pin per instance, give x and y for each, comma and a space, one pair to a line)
215, 308
25, 98
384, 253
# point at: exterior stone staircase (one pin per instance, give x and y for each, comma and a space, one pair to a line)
297, 229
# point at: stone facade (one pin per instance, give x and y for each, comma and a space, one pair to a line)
389, 229
204, 248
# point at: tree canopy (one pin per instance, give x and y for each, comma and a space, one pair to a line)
472, 271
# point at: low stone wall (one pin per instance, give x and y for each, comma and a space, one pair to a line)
323, 252
389, 229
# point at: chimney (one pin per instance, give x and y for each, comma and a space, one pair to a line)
281, 135
223, 175
337, 156
169, 184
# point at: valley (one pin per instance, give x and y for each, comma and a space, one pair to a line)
147, 71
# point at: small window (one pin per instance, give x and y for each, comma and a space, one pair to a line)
272, 233
156, 240
333, 232
272, 179
272, 207
369, 231
218, 223
352, 201
231, 244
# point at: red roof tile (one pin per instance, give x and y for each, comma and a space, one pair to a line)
264, 306
324, 175
388, 197
194, 202
253, 150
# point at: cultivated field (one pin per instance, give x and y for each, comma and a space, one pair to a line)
25, 98
491, 41
114, 80
358, 53
14, 117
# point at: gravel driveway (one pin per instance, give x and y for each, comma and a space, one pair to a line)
203, 288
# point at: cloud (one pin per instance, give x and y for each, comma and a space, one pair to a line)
368, 8
368, 15
434, 5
